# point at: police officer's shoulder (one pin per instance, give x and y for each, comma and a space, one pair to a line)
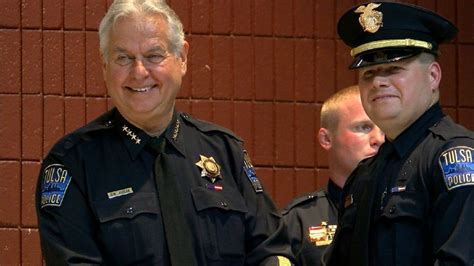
446, 128
208, 127
365, 161
364, 164
85, 133
303, 200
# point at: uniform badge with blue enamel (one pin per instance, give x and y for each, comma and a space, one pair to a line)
251, 174
54, 184
457, 165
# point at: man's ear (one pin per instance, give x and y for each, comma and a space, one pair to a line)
184, 57
325, 138
104, 66
435, 75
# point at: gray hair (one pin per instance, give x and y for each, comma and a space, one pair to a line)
120, 8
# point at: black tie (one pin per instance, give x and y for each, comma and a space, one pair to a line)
178, 234
360, 243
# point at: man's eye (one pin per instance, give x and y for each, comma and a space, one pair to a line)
368, 74
123, 60
364, 128
395, 69
156, 58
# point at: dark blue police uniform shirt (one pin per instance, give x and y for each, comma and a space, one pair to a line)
97, 200
413, 203
307, 212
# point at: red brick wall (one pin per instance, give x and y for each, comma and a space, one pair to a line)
259, 67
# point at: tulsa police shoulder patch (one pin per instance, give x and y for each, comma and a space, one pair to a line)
457, 166
250, 172
54, 184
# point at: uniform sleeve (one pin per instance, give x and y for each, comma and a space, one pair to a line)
295, 232
453, 213
266, 234
65, 220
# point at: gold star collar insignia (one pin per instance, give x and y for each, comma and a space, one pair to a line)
209, 168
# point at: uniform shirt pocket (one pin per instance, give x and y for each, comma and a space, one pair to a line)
402, 221
405, 205
127, 206
222, 214
131, 228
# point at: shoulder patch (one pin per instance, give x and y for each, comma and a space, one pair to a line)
54, 184
251, 175
457, 166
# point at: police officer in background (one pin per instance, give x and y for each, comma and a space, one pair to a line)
145, 184
348, 136
413, 203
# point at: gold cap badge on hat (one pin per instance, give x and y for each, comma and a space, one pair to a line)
209, 167
370, 19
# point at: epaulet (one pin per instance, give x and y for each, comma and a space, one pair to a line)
208, 127
445, 126
303, 200
105, 121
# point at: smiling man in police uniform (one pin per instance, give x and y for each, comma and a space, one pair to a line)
413, 203
145, 184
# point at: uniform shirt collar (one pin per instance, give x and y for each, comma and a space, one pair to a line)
173, 133
417, 131
135, 139
334, 192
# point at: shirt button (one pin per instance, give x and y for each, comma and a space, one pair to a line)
392, 210
129, 210
223, 204
108, 123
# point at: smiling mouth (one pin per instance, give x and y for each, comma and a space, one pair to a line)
382, 97
141, 89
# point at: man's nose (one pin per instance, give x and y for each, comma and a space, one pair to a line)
377, 137
139, 70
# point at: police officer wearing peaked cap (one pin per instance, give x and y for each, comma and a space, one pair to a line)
145, 184
413, 203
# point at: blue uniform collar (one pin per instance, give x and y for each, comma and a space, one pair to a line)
334, 193
135, 139
173, 133
417, 131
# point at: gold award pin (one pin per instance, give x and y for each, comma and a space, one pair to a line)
322, 235
370, 19
209, 168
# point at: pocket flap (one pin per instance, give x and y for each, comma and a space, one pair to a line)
405, 204
228, 200
127, 206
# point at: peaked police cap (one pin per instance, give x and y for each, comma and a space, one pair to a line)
383, 32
